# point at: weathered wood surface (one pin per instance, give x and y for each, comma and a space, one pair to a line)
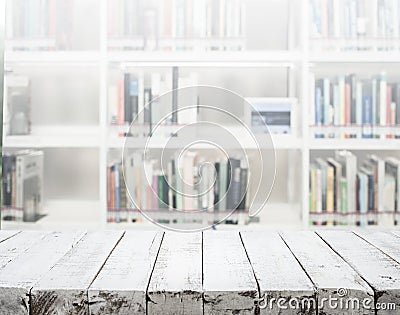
63, 290
18, 276
229, 283
121, 286
379, 270
332, 276
176, 283
280, 277
18, 244
387, 242
6, 234
214, 272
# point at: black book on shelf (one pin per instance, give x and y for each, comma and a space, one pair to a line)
8, 167
233, 187
216, 186
128, 111
396, 99
243, 188
147, 106
175, 79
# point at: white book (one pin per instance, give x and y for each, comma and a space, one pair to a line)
359, 103
336, 18
349, 169
312, 99
29, 183
379, 165
382, 99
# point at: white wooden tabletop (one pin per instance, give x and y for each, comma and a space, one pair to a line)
214, 272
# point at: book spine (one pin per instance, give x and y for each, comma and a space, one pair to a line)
175, 80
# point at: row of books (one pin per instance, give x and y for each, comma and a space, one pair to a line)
175, 24
347, 100
352, 19
188, 184
343, 193
46, 21
22, 185
17, 109
136, 98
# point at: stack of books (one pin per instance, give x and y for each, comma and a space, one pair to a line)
176, 24
367, 25
349, 107
22, 191
343, 194
190, 185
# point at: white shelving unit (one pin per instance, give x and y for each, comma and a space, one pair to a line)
299, 62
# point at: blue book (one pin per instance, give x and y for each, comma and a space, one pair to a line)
318, 109
367, 117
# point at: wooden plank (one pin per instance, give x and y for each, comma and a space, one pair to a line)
229, 283
18, 277
63, 290
396, 233
387, 242
379, 270
283, 284
332, 276
18, 244
175, 285
120, 287
6, 234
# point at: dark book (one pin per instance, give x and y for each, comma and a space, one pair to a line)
216, 186
175, 79
127, 99
162, 192
8, 167
396, 99
243, 188
233, 184
147, 106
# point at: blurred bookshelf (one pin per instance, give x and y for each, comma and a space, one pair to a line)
72, 66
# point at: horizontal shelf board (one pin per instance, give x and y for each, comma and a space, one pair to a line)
190, 58
52, 57
355, 57
56, 137
279, 141
354, 144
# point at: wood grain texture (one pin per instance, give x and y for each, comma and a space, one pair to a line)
18, 276
224, 258
18, 244
63, 290
6, 234
120, 287
176, 283
379, 270
396, 233
328, 272
280, 277
387, 242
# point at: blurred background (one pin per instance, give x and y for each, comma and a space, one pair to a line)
323, 74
